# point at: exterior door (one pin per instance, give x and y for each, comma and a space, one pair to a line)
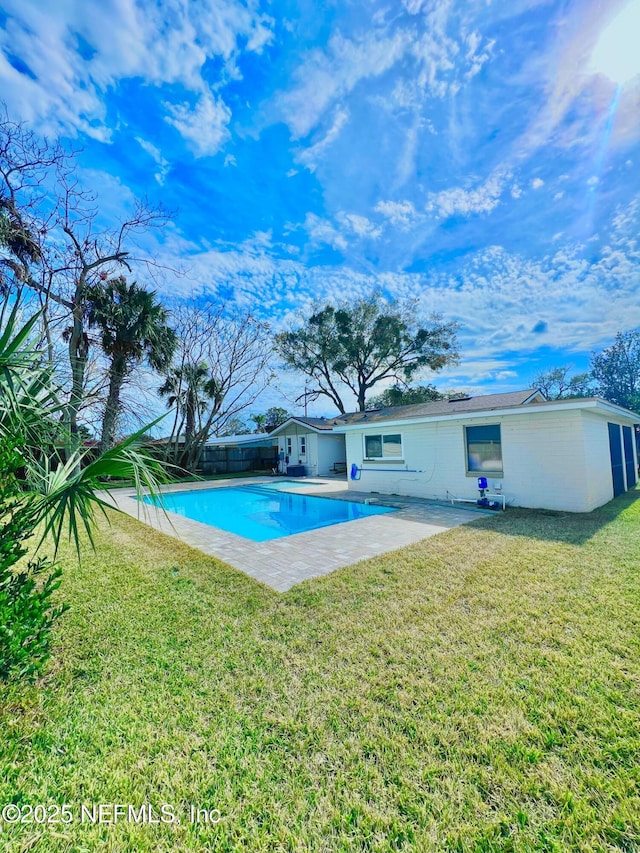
617, 467
630, 468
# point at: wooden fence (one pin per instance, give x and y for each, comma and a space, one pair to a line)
232, 460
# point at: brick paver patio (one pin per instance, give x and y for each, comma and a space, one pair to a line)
282, 563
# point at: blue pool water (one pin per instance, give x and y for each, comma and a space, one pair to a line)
263, 514
285, 485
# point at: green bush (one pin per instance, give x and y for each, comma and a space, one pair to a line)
40, 491
27, 612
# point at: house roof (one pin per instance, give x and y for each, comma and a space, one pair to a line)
535, 403
445, 407
512, 400
435, 407
249, 438
314, 424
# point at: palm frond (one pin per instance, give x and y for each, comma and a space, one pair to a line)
69, 496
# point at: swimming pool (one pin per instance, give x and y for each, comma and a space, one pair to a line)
285, 485
263, 514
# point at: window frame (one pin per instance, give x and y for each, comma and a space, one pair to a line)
491, 472
303, 445
382, 436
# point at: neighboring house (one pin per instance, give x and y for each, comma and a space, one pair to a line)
311, 442
572, 455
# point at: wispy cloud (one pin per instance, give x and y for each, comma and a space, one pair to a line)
326, 75
155, 154
310, 155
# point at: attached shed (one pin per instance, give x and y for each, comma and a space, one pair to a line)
572, 455
312, 443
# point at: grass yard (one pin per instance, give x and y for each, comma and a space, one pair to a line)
479, 691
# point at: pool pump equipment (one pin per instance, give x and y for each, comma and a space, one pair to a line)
484, 501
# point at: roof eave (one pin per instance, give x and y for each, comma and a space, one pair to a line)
521, 409
298, 422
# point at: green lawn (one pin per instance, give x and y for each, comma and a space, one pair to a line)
479, 691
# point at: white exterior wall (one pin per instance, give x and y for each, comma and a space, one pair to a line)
331, 449
551, 459
309, 458
322, 451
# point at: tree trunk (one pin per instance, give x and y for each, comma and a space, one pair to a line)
117, 374
78, 353
190, 427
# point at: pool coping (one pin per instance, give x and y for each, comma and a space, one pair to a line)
285, 562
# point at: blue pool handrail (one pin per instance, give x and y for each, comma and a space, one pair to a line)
356, 472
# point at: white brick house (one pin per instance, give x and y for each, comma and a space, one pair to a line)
572, 455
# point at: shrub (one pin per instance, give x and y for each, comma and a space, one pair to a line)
37, 489
27, 611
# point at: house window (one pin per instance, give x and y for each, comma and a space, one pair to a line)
303, 445
383, 446
289, 446
484, 449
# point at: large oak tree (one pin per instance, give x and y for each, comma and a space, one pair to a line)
360, 344
616, 370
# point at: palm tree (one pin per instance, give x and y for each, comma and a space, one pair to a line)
185, 387
133, 326
260, 421
190, 388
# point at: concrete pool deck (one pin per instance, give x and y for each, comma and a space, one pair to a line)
282, 563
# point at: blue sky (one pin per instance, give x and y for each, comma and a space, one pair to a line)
482, 157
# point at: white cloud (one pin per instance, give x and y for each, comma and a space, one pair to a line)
558, 195
493, 293
322, 231
536, 183
205, 126
348, 227
516, 191
439, 56
78, 51
459, 201
359, 225
399, 213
